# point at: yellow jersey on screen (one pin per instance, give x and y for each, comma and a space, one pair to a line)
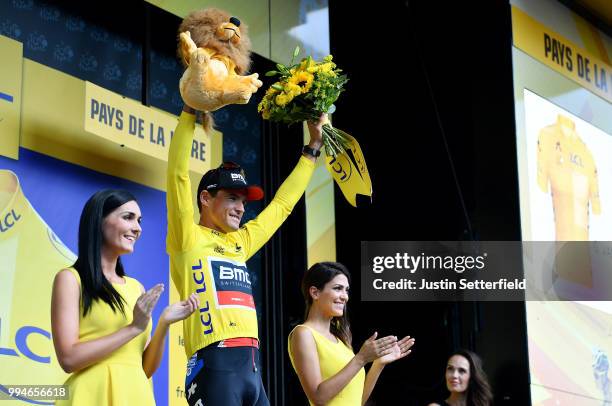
566, 168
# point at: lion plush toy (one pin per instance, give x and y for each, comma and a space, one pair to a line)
215, 49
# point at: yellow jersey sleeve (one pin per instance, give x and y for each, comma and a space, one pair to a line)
181, 228
542, 161
256, 232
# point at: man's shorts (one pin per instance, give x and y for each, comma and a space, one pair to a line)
220, 376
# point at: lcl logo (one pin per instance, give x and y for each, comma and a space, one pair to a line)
21, 342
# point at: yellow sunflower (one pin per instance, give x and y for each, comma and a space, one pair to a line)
303, 80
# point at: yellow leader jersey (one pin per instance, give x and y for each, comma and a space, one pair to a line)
566, 164
212, 263
30, 256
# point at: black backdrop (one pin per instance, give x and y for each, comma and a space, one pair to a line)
431, 101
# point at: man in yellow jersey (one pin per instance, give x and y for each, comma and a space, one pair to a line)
566, 164
30, 256
209, 258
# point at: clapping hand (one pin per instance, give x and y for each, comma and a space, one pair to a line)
373, 348
144, 306
181, 310
398, 351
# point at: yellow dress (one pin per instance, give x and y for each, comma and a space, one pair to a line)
332, 358
118, 379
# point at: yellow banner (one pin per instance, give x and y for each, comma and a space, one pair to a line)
11, 53
350, 172
560, 54
139, 128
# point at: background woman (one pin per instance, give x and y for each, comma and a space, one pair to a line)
466, 381
101, 318
320, 349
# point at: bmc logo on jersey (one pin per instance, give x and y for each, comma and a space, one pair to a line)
230, 273
232, 283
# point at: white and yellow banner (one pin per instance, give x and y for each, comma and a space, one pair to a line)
561, 55
131, 125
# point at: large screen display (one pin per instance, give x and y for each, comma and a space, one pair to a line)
563, 94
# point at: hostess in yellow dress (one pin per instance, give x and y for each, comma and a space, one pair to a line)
118, 379
332, 358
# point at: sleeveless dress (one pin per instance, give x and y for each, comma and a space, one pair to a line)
332, 358
119, 379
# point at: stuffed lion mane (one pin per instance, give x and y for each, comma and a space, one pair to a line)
215, 49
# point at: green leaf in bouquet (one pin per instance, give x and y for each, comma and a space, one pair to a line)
281, 67
277, 87
296, 52
271, 73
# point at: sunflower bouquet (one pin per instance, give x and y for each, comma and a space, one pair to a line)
304, 91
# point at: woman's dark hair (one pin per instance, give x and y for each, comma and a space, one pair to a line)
318, 276
94, 284
478, 390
